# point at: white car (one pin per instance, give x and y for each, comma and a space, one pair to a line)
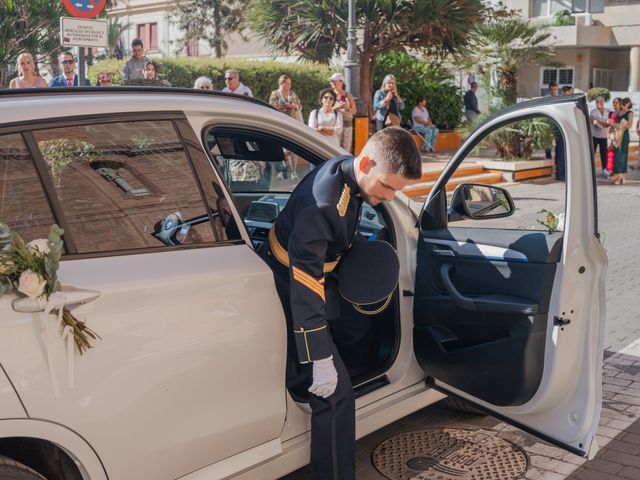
189, 379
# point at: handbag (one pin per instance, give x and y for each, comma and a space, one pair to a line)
392, 120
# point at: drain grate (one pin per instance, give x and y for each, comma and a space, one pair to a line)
449, 454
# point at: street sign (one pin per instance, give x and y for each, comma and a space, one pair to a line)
80, 32
84, 8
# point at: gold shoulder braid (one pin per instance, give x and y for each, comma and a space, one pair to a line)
343, 203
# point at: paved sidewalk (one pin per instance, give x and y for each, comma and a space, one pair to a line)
619, 430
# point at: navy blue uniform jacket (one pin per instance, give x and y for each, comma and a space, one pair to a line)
315, 228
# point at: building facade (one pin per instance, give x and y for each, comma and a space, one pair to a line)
601, 48
150, 20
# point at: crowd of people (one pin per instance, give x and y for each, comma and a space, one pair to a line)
610, 130
333, 117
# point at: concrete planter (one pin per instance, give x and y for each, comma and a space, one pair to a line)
519, 170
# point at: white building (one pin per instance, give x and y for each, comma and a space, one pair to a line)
602, 48
150, 20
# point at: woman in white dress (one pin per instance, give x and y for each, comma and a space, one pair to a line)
326, 120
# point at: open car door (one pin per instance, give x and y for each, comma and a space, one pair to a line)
511, 320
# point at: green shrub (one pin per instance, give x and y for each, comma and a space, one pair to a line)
415, 78
262, 77
592, 93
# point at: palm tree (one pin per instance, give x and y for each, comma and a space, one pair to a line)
503, 46
317, 29
114, 32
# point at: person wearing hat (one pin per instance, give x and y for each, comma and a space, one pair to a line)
346, 105
305, 245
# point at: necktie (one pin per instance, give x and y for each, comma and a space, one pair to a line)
70, 82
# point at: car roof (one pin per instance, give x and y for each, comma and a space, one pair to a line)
18, 105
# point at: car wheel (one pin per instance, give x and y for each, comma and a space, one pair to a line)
460, 405
12, 470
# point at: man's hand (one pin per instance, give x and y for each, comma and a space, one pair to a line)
325, 378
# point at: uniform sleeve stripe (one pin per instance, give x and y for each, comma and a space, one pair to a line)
316, 286
302, 273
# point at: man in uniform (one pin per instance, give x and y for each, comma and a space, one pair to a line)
317, 226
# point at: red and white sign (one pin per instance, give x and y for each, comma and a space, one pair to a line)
84, 8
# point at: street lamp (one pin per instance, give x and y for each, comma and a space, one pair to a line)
351, 66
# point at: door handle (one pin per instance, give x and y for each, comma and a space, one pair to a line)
486, 303
460, 299
72, 296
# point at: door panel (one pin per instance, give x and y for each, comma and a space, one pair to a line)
468, 347
512, 319
190, 340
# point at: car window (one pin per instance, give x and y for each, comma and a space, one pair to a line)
23, 203
250, 163
514, 157
126, 185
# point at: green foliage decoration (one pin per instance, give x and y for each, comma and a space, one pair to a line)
262, 77
416, 77
595, 92
60, 152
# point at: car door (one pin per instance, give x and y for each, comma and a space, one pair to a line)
189, 369
511, 317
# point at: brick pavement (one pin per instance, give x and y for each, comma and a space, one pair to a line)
619, 429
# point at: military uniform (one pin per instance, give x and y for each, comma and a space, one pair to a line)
305, 244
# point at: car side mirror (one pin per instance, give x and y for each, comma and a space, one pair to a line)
480, 202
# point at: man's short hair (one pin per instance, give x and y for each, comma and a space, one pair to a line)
136, 42
473, 84
233, 73
420, 99
553, 84
65, 53
395, 149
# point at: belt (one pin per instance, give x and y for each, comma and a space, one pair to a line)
283, 256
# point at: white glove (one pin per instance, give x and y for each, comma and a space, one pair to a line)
325, 378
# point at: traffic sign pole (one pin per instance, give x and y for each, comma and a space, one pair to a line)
81, 67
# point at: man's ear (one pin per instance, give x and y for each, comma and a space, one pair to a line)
366, 164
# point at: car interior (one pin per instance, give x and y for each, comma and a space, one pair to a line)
258, 170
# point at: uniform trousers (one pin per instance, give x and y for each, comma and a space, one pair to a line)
333, 433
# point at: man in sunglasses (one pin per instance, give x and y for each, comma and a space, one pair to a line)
68, 77
234, 85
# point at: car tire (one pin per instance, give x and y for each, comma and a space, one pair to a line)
460, 405
12, 470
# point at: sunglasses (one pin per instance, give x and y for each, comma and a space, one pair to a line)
328, 97
68, 62
226, 79
205, 87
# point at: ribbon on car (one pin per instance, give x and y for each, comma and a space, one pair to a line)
57, 302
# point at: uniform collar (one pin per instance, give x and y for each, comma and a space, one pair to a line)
348, 172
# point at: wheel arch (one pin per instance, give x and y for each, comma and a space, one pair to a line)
50, 445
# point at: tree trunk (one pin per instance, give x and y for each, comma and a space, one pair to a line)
367, 71
217, 21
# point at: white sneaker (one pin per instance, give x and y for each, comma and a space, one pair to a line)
606, 173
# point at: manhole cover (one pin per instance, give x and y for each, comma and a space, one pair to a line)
449, 454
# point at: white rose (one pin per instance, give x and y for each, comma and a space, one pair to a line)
40, 245
31, 284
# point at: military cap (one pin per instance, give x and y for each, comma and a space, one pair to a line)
368, 274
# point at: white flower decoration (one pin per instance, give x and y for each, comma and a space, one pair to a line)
40, 245
31, 284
